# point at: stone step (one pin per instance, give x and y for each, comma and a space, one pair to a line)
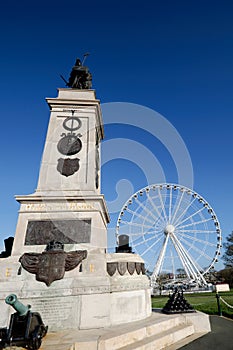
121, 337
162, 340
157, 330
185, 341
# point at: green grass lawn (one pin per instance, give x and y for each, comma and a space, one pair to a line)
205, 302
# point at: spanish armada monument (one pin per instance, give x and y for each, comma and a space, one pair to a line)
59, 262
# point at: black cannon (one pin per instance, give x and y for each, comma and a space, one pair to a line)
26, 328
123, 244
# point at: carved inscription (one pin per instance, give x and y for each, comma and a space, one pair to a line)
65, 231
58, 207
54, 310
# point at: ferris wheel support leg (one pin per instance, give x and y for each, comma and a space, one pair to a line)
181, 252
184, 262
192, 266
160, 260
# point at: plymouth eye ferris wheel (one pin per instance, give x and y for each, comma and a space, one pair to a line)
173, 229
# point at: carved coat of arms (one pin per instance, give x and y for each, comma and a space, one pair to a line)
51, 265
68, 166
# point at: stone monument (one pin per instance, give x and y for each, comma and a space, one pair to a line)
59, 262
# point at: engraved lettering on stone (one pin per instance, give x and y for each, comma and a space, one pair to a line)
54, 309
58, 206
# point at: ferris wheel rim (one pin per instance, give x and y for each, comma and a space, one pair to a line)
197, 197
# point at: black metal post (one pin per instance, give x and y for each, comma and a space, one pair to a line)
219, 305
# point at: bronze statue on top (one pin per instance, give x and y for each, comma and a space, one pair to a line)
80, 77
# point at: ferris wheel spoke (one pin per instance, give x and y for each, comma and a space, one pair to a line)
139, 216
198, 231
135, 224
193, 238
177, 207
147, 240
194, 223
183, 212
141, 205
170, 205
162, 205
201, 252
151, 246
153, 205
191, 216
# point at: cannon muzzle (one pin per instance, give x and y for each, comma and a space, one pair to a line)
17, 305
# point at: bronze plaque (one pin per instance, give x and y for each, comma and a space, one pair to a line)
66, 231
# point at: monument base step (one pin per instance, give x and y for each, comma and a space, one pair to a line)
159, 331
162, 340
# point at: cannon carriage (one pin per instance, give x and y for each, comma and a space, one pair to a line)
26, 328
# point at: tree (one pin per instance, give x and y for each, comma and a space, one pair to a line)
228, 255
226, 276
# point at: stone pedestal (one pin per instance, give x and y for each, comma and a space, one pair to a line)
85, 298
67, 206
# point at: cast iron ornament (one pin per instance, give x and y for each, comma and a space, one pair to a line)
51, 264
177, 303
70, 143
68, 166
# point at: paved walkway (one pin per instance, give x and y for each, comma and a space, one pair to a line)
220, 337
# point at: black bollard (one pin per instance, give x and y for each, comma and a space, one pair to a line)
219, 305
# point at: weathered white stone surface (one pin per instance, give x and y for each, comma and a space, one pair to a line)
81, 300
87, 297
158, 331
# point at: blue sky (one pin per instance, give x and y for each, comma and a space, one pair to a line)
175, 57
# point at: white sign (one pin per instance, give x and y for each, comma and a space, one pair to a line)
222, 287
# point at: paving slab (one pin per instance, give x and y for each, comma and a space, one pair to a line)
220, 337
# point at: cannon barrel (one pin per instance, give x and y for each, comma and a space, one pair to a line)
17, 305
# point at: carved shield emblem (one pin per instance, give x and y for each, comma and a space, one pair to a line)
131, 267
121, 267
138, 268
111, 268
51, 267
68, 166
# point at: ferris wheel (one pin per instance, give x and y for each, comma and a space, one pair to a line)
173, 229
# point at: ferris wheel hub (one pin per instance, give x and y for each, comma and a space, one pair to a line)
169, 229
